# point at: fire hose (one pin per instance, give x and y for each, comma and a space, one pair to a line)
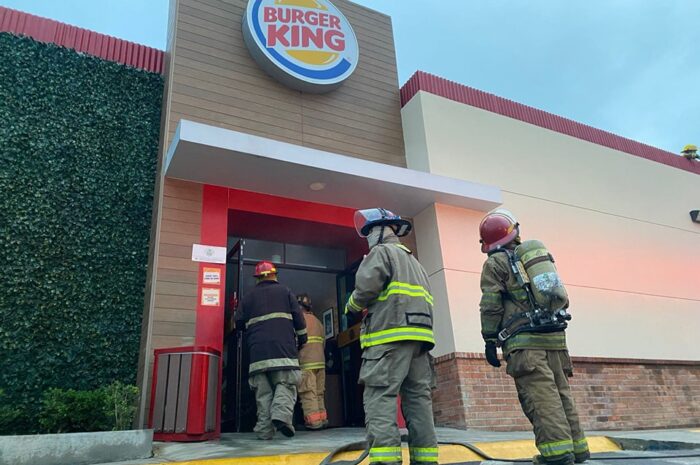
365, 446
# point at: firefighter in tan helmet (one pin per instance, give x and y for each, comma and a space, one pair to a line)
523, 310
393, 291
313, 370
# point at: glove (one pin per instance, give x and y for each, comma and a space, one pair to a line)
301, 340
492, 355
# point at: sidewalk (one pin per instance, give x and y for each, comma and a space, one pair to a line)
310, 448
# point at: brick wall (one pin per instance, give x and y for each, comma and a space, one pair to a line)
610, 394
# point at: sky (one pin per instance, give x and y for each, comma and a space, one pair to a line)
631, 67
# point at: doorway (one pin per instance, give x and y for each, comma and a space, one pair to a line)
314, 258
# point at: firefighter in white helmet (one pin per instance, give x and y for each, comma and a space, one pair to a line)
396, 335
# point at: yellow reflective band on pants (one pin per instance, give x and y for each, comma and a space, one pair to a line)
423, 454
580, 446
315, 340
411, 290
407, 333
385, 454
313, 366
269, 316
552, 449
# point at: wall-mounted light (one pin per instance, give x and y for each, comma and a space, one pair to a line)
695, 216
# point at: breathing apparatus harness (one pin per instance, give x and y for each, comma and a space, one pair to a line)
535, 320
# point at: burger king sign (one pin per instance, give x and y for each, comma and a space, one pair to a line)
307, 45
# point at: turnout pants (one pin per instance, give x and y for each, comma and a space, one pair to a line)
543, 390
275, 397
311, 394
387, 370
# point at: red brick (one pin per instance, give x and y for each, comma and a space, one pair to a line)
610, 394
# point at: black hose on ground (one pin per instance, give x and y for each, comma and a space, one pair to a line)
486, 456
365, 446
481, 453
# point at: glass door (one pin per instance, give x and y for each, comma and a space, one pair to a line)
234, 368
350, 353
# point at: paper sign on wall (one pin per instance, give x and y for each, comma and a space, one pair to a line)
208, 253
211, 276
210, 297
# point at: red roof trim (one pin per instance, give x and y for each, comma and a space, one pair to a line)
493, 103
81, 40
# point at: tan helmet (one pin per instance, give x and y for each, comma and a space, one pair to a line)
304, 301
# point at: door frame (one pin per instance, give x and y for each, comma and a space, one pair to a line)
216, 203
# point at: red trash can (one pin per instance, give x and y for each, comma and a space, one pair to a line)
184, 394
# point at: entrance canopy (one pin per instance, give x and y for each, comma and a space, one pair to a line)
211, 155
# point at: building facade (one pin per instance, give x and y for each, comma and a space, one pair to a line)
265, 171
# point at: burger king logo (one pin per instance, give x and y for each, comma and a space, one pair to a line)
307, 45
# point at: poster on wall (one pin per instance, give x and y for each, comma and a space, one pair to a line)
211, 276
328, 327
208, 253
210, 297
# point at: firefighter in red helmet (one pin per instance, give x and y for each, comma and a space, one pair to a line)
275, 330
534, 346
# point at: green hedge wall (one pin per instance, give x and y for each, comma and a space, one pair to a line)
78, 149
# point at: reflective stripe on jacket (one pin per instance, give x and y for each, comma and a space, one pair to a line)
394, 288
501, 298
273, 322
311, 356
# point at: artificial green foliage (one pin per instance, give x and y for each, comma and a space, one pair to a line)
109, 408
8, 413
78, 150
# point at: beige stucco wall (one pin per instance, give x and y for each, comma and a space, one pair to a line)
617, 224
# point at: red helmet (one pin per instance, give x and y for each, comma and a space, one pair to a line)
497, 229
264, 268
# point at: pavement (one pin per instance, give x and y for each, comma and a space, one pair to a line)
655, 447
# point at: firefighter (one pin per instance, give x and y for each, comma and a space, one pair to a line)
275, 329
313, 370
538, 361
392, 291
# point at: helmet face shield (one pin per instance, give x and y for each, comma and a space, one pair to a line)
366, 219
402, 229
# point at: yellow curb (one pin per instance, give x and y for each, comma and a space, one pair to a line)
447, 454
